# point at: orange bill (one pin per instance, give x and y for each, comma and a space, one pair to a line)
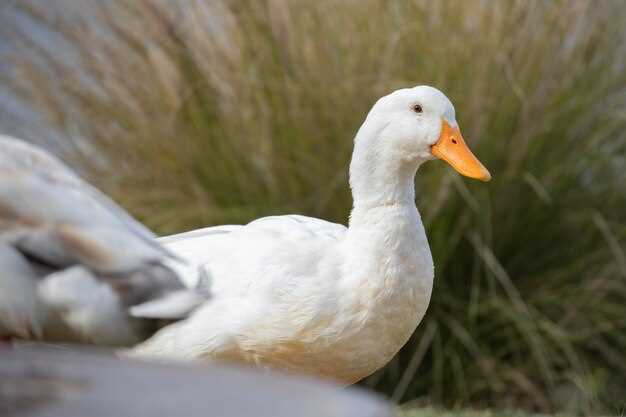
452, 148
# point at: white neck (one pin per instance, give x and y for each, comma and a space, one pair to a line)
390, 268
380, 175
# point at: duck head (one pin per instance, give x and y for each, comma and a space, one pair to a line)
418, 124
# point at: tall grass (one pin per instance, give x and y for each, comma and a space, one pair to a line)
208, 112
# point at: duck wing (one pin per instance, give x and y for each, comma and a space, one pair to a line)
235, 260
68, 232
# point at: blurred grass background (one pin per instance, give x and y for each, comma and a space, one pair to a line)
435, 412
192, 113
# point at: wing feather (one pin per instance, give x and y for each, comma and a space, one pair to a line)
54, 218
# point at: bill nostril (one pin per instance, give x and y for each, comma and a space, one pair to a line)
454, 141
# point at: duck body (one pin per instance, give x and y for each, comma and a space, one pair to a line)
329, 301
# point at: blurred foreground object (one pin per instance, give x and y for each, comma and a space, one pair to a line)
39, 381
73, 262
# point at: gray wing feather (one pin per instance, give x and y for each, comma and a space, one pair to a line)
38, 191
19, 308
52, 217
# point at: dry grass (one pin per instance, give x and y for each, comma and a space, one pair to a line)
223, 111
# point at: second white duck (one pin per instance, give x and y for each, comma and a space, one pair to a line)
306, 295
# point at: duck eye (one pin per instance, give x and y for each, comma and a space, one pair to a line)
417, 108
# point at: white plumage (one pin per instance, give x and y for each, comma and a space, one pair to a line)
307, 295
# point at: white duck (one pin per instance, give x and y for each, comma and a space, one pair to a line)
72, 262
306, 295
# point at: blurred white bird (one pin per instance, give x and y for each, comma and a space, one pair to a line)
306, 295
72, 262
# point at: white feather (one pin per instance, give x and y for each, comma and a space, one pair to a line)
87, 306
64, 249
